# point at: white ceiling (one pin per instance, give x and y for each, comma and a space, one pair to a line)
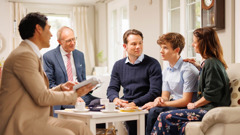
88, 2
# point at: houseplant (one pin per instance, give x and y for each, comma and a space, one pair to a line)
101, 69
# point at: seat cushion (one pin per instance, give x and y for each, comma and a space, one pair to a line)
224, 129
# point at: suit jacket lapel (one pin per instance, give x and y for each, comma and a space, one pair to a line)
77, 64
41, 70
60, 61
43, 74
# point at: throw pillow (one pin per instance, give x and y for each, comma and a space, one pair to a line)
235, 93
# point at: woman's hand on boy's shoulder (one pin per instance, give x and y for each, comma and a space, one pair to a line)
192, 61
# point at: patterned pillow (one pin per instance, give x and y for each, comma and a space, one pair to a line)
235, 93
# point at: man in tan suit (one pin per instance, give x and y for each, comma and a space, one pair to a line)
25, 99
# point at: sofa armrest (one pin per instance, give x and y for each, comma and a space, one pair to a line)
193, 128
220, 115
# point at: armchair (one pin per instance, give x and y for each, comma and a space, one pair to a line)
221, 120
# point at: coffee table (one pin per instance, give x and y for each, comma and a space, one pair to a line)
93, 118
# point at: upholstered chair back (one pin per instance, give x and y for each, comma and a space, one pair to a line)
234, 76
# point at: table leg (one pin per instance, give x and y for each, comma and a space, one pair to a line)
141, 125
108, 124
92, 125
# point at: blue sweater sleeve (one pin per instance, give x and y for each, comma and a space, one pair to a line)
114, 86
155, 80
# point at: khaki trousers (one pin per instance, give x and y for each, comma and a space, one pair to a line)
56, 126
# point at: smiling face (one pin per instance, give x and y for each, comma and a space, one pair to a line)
195, 44
134, 46
67, 40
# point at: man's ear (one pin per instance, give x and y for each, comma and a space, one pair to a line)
125, 46
59, 41
177, 50
38, 28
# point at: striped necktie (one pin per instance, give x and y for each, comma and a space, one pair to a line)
69, 67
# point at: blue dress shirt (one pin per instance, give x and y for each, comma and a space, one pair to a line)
183, 77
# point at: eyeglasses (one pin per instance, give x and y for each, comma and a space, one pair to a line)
70, 40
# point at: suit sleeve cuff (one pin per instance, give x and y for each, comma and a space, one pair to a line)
57, 88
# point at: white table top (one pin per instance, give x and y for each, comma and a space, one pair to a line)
93, 114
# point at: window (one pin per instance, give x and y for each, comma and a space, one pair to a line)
184, 16
193, 22
118, 24
174, 16
56, 21
58, 16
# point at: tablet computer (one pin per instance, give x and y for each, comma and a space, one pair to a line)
93, 81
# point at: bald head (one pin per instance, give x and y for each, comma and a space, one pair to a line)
61, 30
66, 39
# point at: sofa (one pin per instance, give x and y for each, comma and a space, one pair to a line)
222, 120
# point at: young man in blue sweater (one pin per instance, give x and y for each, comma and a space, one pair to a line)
179, 80
138, 74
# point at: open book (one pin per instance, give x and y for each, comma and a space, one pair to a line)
93, 81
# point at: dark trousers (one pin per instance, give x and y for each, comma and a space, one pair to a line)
131, 127
174, 122
88, 98
152, 117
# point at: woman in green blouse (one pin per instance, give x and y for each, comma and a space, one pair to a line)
213, 89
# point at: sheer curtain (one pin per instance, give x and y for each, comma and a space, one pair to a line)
18, 12
84, 39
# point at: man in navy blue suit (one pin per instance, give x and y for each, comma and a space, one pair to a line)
65, 63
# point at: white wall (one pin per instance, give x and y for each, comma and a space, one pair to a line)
237, 31
5, 28
227, 36
91, 22
6, 21
145, 16
101, 30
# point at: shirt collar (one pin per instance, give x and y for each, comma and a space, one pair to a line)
34, 47
176, 66
63, 52
139, 60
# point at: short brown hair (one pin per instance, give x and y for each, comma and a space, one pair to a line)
131, 32
175, 39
